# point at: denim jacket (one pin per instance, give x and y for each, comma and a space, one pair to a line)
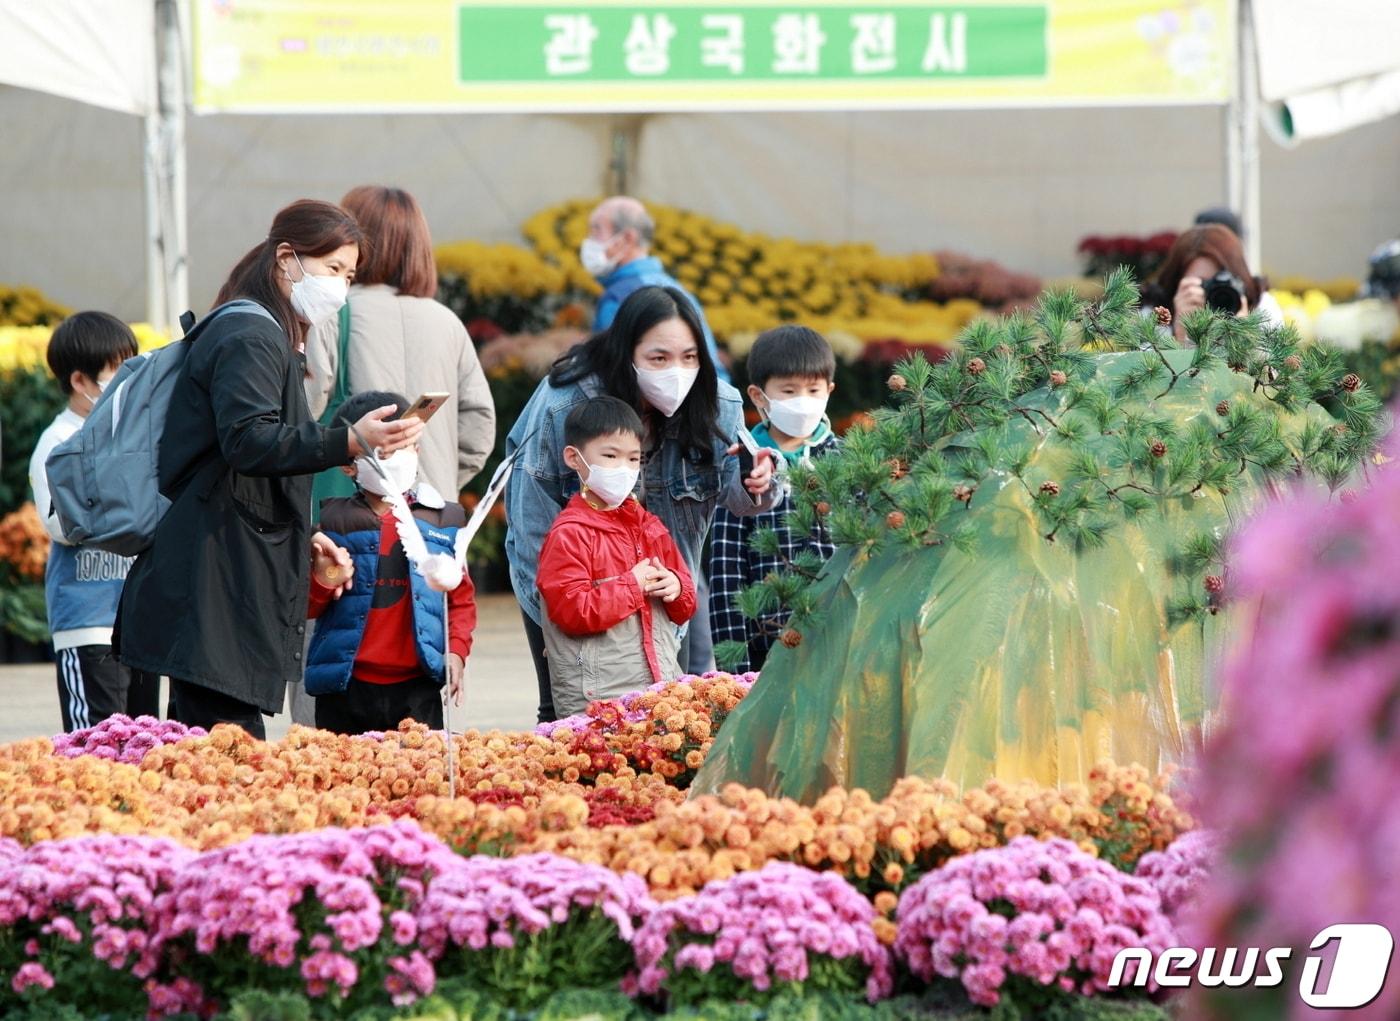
674, 487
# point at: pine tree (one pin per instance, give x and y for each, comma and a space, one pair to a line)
1031, 567
911, 479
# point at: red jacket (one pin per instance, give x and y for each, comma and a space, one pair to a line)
585, 571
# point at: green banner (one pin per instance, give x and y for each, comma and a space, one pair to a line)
288, 56
690, 43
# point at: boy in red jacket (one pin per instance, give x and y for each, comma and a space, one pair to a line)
615, 589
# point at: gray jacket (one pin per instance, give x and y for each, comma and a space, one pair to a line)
412, 346
591, 668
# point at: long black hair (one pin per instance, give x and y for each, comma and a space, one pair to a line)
609, 356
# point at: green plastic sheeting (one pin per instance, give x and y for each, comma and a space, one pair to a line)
1019, 660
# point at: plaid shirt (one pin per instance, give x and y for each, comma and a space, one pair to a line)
734, 566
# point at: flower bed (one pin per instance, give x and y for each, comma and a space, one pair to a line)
318, 870
601, 787
1031, 922
746, 282
367, 922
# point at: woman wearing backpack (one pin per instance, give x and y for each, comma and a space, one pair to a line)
218, 603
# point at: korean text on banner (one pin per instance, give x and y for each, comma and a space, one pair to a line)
328, 55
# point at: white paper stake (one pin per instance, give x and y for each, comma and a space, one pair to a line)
442, 572
447, 702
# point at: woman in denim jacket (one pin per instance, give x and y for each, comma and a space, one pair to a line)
653, 356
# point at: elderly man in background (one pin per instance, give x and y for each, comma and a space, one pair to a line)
618, 252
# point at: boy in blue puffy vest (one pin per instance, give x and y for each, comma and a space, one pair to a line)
82, 586
377, 655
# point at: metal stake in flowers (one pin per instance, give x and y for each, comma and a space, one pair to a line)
442, 572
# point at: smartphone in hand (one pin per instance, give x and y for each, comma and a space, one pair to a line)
426, 406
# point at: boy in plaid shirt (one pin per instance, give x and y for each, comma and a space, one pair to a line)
791, 376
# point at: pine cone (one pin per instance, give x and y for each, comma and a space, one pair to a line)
791, 638
897, 383
1164, 315
1215, 584
1159, 449
895, 519
976, 366
1050, 488
1351, 382
963, 494
823, 508
1293, 363
1058, 378
1222, 409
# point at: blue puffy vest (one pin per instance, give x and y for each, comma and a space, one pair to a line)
341, 627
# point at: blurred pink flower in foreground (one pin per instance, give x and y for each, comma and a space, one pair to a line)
1303, 780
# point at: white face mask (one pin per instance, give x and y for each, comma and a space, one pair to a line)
101, 389
594, 256
401, 466
666, 389
317, 298
611, 485
796, 416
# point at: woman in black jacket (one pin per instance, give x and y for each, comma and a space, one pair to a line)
218, 603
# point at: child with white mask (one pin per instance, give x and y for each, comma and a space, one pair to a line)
791, 376
653, 357
376, 657
613, 584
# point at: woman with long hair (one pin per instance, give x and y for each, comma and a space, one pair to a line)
399, 338
1195, 258
654, 358
218, 603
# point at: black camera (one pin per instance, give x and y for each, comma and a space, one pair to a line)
1224, 292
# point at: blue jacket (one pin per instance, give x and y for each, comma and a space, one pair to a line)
679, 486
648, 272
82, 587
341, 627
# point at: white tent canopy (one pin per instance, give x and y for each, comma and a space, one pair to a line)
128, 56
100, 52
1327, 67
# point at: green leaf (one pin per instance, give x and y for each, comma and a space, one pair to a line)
1183, 610
765, 542
757, 600
1134, 502
730, 654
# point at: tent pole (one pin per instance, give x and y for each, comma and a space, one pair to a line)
626, 132
155, 260
171, 95
1242, 170
1251, 206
